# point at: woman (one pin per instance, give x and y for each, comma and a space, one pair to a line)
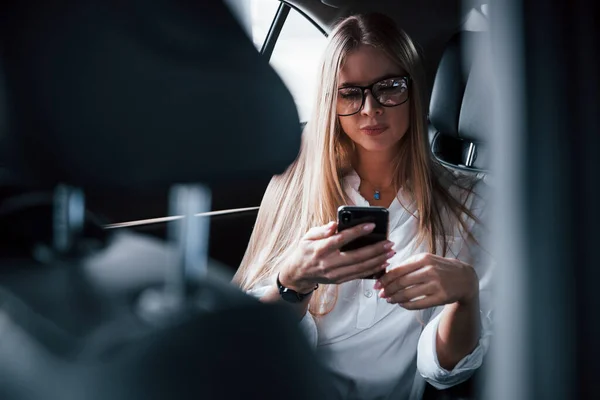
366, 144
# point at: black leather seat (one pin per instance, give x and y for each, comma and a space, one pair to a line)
460, 116
460, 113
121, 96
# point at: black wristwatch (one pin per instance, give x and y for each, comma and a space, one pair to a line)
290, 295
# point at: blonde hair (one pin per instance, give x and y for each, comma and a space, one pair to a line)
309, 192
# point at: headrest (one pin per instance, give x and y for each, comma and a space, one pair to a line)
141, 94
460, 108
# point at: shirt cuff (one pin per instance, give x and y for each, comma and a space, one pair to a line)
429, 366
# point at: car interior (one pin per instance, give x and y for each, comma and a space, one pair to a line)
458, 124
93, 313
110, 166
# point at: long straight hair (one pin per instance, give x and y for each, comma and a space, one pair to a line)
309, 192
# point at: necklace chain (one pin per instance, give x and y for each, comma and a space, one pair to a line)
376, 191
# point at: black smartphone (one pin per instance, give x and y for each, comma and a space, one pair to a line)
350, 216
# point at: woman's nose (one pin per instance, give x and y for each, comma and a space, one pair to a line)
371, 106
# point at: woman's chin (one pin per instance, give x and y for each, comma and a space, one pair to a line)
373, 146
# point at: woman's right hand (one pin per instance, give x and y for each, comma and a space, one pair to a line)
318, 258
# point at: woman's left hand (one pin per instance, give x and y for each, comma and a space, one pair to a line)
429, 280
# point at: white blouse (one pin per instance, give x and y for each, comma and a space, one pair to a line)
376, 350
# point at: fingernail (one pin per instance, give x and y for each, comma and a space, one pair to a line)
382, 293
384, 266
388, 245
390, 254
377, 285
369, 227
330, 224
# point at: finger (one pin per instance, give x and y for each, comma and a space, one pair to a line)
381, 249
359, 270
421, 304
417, 277
340, 239
373, 271
359, 264
412, 293
321, 232
409, 265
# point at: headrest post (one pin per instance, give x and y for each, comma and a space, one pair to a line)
68, 217
189, 236
470, 155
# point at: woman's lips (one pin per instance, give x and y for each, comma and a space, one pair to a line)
373, 130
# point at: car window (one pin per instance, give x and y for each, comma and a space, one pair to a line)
297, 51
296, 58
256, 16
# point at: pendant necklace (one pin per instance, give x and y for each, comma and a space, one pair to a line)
376, 191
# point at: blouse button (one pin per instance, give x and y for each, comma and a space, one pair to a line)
368, 293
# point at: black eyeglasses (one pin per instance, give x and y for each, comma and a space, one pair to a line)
390, 92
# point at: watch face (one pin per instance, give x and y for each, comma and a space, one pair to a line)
290, 296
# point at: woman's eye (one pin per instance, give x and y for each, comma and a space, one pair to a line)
349, 94
392, 90
389, 91
392, 86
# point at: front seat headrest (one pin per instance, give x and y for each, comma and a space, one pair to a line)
460, 111
137, 94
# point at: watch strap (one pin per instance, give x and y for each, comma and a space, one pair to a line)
290, 294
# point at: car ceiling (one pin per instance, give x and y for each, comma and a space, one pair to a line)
431, 23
